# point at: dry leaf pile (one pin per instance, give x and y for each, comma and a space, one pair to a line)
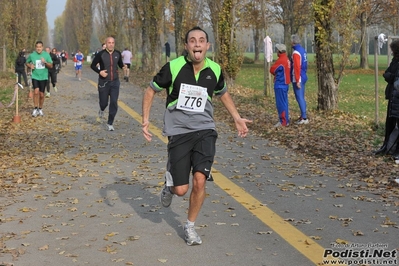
335, 139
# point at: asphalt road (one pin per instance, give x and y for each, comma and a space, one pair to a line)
95, 198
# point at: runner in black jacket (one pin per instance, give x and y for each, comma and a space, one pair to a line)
52, 72
108, 80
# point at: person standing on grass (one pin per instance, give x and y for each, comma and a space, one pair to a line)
190, 81
299, 68
106, 63
52, 72
392, 113
78, 59
39, 62
281, 70
127, 60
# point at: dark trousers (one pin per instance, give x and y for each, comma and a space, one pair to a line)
109, 89
52, 77
390, 123
23, 73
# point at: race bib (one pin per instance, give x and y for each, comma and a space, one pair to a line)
79, 63
192, 98
39, 64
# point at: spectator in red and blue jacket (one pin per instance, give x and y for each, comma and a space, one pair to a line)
299, 68
281, 70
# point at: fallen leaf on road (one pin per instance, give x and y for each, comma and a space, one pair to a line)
45, 247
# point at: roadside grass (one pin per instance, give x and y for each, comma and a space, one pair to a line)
7, 81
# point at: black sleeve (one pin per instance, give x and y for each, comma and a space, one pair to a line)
392, 71
120, 61
55, 59
96, 60
164, 77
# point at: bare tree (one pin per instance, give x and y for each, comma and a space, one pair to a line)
83, 24
369, 12
109, 20
391, 16
149, 12
215, 7
293, 15
254, 18
179, 35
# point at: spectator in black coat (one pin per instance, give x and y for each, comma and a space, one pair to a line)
20, 67
392, 113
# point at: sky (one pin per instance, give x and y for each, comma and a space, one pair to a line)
54, 9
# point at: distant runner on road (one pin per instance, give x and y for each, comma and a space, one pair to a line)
78, 59
127, 60
39, 61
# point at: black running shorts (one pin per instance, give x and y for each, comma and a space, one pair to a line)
192, 151
41, 84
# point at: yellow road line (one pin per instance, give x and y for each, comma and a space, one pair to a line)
303, 243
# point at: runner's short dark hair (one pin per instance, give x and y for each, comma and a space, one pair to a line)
193, 29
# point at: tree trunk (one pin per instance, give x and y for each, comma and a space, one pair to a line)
327, 95
179, 11
215, 9
256, 32
327, 90
364, 64
155, 10
288, 21
145, 46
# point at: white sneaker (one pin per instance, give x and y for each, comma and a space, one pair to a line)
302, 121
110, 127
41, 112
55, 88
35, 112
191, 236
47, 94
166, 196
280, 125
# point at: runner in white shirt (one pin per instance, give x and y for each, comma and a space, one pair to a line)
127, 60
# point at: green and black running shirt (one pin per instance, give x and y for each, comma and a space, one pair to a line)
189, 101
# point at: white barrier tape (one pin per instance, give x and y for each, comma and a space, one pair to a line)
14, 96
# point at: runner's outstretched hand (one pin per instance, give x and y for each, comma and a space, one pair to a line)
241, 125
147, 135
